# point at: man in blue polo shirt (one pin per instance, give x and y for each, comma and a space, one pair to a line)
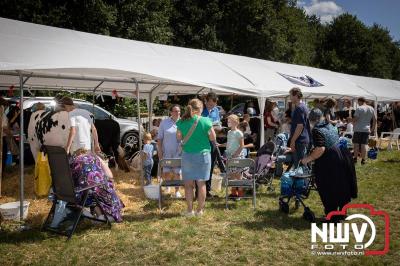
300, 131
211, 111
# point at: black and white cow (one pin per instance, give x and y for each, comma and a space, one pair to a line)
52, 128
48, 128
108, 131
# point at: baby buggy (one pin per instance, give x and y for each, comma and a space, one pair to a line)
281, 157
297, 184
264, 173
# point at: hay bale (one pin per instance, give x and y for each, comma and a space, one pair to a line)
127, 186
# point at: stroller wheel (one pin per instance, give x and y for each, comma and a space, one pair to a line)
283, 206
308, 215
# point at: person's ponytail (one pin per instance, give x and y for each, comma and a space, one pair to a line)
188, 113
194, 105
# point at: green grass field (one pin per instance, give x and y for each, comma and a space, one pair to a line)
236, 236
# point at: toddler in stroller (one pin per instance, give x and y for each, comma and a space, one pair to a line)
269, 161
264, 171
282, 153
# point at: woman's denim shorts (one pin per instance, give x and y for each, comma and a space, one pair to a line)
196, 166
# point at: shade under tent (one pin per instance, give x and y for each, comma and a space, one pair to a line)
40, 57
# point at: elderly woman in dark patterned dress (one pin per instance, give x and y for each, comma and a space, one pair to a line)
335, 175
87, 170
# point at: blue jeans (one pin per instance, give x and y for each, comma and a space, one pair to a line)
147, 172
300, 153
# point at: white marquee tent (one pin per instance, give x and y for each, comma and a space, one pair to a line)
40, 57
61, 58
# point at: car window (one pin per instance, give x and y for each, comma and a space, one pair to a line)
49, 105
100, 114
238, 108
84, 106
97, 112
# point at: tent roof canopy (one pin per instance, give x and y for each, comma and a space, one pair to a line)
56, 58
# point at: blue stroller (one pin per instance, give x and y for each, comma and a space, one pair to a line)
281, 158
297, 184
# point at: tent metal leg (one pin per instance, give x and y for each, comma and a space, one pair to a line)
94, 95
153, 93
376, 116
21, 147
261, 104
139, 126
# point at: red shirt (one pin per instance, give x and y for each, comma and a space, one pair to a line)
268, 114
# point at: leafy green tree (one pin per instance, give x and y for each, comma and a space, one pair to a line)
378, 62
350, 46
396, 60
267, 29
298, 33
345, 46
146, 20
194, 24
95, 16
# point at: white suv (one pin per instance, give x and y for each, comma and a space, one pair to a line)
129, 129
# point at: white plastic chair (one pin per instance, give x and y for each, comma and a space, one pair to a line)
392, 136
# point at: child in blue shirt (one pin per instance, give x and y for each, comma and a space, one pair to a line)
148, 150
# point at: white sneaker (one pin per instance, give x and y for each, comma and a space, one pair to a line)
189, 214
178, 195
200, 213
101, 217
86, 212
110, 219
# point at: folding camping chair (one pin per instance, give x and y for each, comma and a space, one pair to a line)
392, 137
172, 163
232, 166
63, 189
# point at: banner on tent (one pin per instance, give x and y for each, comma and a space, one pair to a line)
305, 81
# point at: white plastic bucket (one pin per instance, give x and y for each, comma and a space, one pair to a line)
216, 183
10, 210
152, 191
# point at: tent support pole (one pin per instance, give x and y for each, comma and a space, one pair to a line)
94, 92
286, 103
139, 127
151, 105
21, 147
394, 125
23, 83
261, 105
376, 116
200, 90
150, 109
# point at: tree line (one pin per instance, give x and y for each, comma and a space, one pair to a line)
274, 30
